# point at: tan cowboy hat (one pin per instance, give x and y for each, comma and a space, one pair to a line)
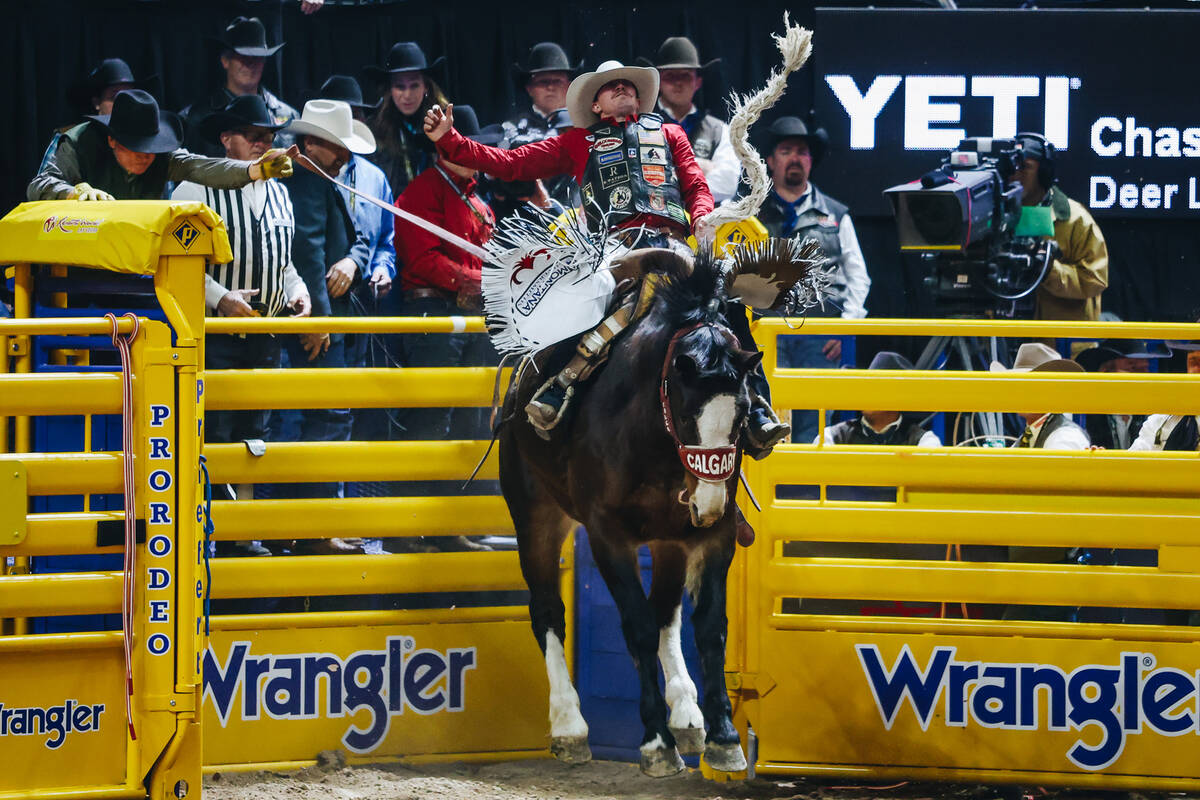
1038, 357
332, 121
582, 91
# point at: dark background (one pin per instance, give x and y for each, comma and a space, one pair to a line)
44, 46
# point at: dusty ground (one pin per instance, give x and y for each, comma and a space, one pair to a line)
549, 780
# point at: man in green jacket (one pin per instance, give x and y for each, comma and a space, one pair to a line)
1079, 274
132, 153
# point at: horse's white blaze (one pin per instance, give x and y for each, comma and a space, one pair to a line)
565, 719
681, 691
715, 426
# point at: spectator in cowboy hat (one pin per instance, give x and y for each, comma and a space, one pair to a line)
132, 153
1117, 431
883, 427
680, 79
243, 53
1173, 432
95, 94
322, 251
545, 76
409, 90
1046, 430
346, 89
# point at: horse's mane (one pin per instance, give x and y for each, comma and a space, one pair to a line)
687, 298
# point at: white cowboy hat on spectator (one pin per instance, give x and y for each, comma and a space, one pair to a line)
1038, 357
582, 91
332, 121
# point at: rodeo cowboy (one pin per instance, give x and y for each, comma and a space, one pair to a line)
639, 175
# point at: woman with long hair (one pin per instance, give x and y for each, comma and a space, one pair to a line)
403, 150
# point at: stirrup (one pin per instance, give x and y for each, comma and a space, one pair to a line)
544, 416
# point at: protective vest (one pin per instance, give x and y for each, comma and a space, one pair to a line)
906, 434
630, 172
706, 135
1053, 423
821, 221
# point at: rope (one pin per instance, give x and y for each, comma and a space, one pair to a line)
795, 46
122, 343
208, 532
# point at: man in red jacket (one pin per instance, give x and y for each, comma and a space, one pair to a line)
634, 171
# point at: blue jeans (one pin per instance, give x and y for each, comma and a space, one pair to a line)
805, 352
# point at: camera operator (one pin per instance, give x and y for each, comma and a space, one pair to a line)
796, 207
1079, 273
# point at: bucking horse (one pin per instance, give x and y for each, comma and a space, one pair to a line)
650, 456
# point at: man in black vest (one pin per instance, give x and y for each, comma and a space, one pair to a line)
1046, 430
244, 53
680, 79
883, 427
1116, 431
796, 207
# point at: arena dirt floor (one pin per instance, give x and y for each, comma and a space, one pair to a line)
549, 780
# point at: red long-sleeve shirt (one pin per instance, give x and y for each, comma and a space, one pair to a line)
429, 261
567, 153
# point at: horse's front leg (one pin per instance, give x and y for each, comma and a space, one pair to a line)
708, 571
619, 567
666, 595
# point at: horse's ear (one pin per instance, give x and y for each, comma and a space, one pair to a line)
686, 366
746, 360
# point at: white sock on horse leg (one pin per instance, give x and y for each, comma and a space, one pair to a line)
565, 719
681, 691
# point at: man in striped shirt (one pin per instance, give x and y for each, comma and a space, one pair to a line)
260, 281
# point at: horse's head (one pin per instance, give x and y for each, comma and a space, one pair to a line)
707, 398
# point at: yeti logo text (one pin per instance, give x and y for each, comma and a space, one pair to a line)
385, 682
921, 112
1110, 700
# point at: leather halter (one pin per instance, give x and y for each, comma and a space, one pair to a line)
708, 464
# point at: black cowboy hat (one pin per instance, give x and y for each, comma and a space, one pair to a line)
467, 123
246, 36
677, 52
110, 72
403, 57
241, 112
1095, 357
137, 123
346, 89
795, 128
546, 57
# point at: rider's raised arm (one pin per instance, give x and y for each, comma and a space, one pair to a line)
543, 159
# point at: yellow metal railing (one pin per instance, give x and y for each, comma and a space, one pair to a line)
786, 665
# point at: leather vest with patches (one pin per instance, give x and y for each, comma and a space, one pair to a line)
821, 221
906, 434
706, 136
630, 171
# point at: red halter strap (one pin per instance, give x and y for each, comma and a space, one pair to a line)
709, 464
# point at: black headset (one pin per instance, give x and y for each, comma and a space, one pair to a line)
1046, 171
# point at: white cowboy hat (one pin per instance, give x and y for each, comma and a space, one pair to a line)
582, 91
332, 121
1038, 357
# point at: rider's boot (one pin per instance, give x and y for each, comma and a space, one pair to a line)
763, 430
549, 404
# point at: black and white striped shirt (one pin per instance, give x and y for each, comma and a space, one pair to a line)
259, 220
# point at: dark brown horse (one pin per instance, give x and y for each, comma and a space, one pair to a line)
673, 392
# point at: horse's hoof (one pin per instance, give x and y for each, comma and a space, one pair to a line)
689, 741
724, 757
571, 749
661, 762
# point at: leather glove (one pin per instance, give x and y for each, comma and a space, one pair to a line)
274, 164
86, 192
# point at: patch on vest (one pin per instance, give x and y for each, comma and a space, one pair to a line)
654, 155
605, 144
613, 174
651, 137
657, 201
608, 158
620, 197
654, 175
